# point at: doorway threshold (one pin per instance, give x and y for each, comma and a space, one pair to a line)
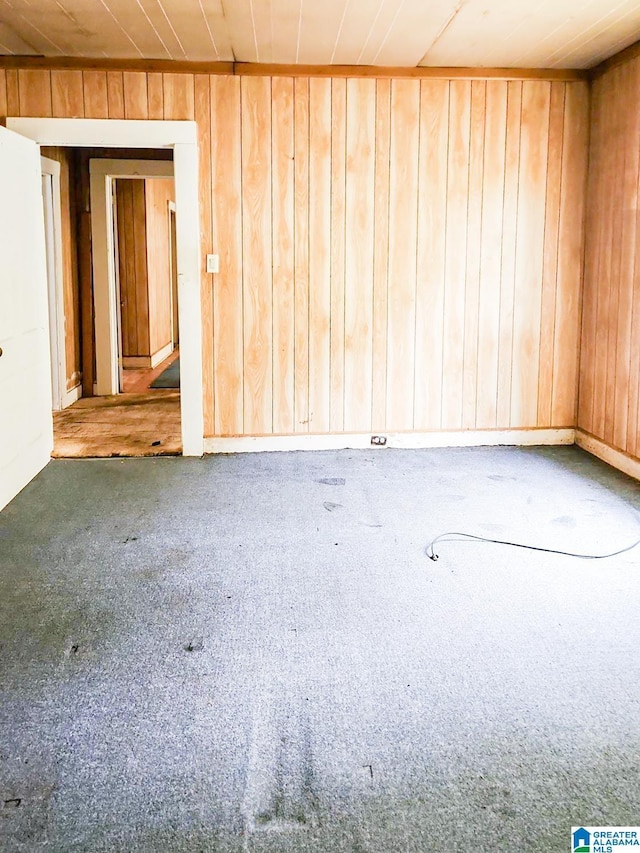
142, 424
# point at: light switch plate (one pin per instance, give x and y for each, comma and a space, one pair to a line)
213, 263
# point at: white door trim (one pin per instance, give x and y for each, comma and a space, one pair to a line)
181, 136
55, 281
171, 211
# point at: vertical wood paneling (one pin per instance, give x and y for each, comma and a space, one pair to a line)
624, 232
178, 94
618, 141
301, 254
319, 253
202, 108
67, 94
550, 257
456, 252
13, 94
115, 94
611, 116
257, 274
592, 261
508, 262
403, 225
137, 231
474, 245
155, 96
131, 221
73, 339
3, 93
534, 142
360, 177
493, 193
283, 260
566, 346
34, 88
158, 193
95, 92
134, 85
227, 229
399, 254
610, 353
338, 249
432, 190
631, 442
381, 256
71, 294
127, 269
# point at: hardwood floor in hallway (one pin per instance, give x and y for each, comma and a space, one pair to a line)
138, 422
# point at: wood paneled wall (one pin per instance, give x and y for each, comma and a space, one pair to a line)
610, 364
158, 193
144, 263
395, 254
131, 222
72, 313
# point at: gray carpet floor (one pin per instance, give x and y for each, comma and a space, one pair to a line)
253, 653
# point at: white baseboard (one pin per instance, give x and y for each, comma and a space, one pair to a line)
71, 396
616, 458
407, 440
158, 357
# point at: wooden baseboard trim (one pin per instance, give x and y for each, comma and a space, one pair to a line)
616, 458
135, 362
407, 440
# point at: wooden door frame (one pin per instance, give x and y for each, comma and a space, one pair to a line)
181, 137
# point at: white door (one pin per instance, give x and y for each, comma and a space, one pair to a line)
26, 426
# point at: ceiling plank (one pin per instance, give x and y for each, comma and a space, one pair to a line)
338, 32
198, 31
493, 34
69, 27
569, 28
505, 34
384, 33
378, 29
415, 27
97, 26
30, 28
596, 41
11, 43
133, 17
239, 16
213, 11
156, 13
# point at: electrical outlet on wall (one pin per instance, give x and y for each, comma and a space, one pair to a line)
213, 263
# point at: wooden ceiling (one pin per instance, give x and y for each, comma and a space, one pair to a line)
477, 33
